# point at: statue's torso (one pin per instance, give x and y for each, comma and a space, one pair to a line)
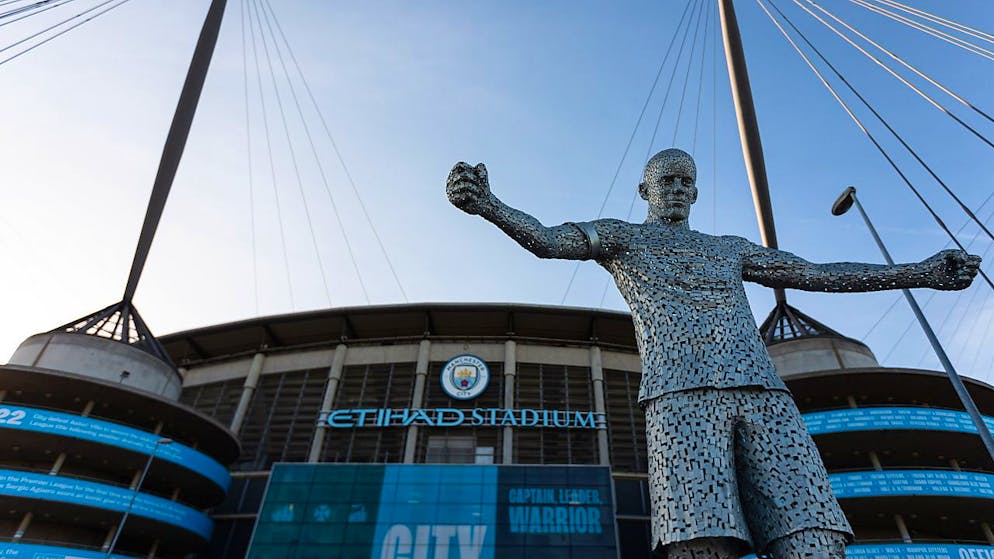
692, 320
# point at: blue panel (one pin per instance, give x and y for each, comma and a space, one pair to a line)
406, 522
915, 551
876, 419
112, 434
912, 482
393, 511
108, 497
30, 551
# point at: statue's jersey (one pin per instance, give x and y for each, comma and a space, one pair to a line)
692, 320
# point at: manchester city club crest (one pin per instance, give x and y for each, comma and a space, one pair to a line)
465, 377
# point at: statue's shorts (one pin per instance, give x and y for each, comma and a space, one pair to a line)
734, 463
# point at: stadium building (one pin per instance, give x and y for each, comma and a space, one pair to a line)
449, 431
315, 391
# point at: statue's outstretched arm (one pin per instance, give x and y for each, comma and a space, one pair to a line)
468, 188
946, 270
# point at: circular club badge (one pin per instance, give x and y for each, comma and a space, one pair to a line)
465, 377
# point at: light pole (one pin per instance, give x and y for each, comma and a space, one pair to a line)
842, 205
134, 493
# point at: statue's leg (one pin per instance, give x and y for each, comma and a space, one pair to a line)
783, 484
704, 548
810, 544
692, 486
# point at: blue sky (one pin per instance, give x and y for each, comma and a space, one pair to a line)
546, 93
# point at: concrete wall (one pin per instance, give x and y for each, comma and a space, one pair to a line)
820, 354
99, 358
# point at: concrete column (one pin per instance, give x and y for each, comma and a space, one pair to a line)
510, 372
954, 464
988, 535
88, 408
153, 550
597, 378
3, 395
875, 461
418, 399
851, 401
247, 390
22, 527
57, 467
902, 528
330, 390
109, 538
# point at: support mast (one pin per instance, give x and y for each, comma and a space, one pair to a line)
745, 110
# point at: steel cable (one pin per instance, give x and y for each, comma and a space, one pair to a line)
338, 154
904, 63
690, 63
248, 146
272, 162
928, 30
900, 78
317, 159
966, 209
293, 153
33, 13
982, 35
856, 119
61, 32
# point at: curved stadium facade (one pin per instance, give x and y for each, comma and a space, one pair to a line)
329, 434
310, 388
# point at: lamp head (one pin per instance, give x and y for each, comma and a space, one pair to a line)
844, 201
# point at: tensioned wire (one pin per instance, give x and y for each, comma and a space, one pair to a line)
269, 152
927, 29
903, 62
890, 71
982, 35
852, 115
690, 63
61, 32
38, 8
966, 209
334, 145
317, 160
631, 137
662, 108
248, 163
292, 151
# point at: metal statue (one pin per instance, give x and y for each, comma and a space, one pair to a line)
731, 466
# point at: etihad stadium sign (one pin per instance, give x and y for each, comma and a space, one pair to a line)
454, 417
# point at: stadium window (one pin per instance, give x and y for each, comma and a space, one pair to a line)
484, 455
445, 449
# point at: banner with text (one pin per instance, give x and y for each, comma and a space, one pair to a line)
350, 511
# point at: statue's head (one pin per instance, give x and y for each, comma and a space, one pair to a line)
669, 184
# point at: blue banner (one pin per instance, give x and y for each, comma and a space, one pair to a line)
31, 551
405, 511
112, 434
912, 482
60, 489
915, 551
876, 419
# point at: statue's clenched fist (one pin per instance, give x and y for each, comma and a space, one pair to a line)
468, 188
953, 269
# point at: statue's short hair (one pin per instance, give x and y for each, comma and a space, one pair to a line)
669, 159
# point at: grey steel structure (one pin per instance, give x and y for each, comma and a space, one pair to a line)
269, 378
696, 336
